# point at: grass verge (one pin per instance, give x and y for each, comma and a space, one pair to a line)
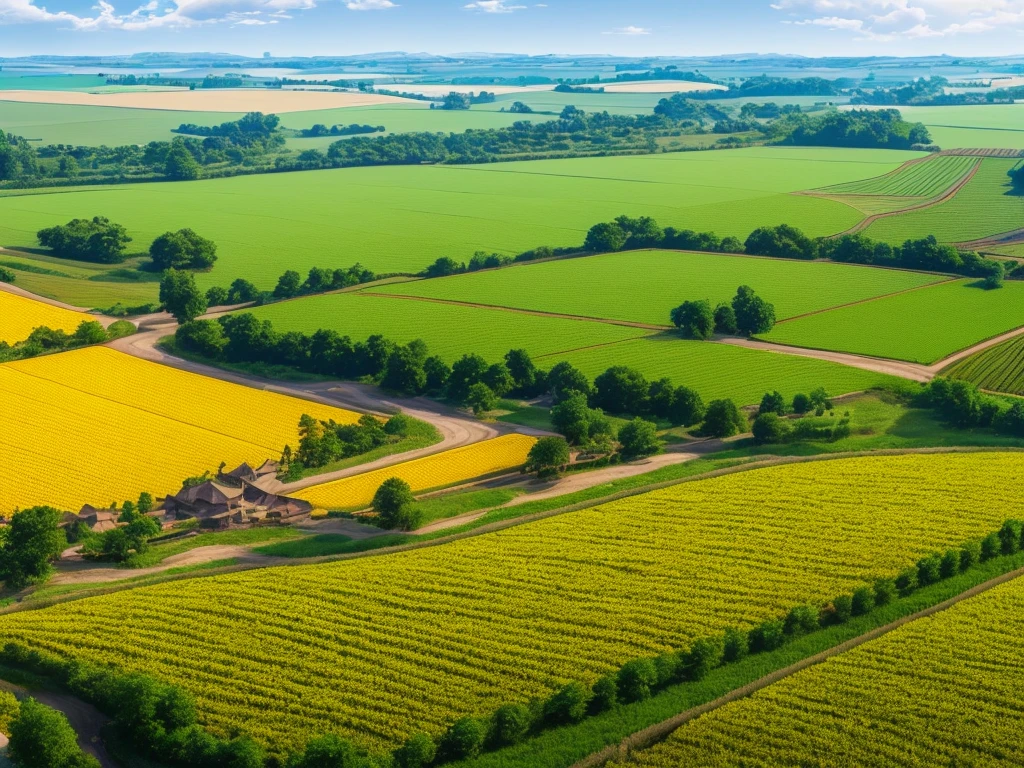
160, 552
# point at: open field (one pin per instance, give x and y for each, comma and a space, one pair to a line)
644, 286
921, 326
402, 218
449, 330
721, 370
549, 101
409, 641
999, 368
975, 125
208, 99
501, 454
660, 86
945, 689
19, 316
922, 179
94, 425
987, 205
21, 81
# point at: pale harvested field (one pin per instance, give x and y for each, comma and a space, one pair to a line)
661, 86
209, 100
432, 89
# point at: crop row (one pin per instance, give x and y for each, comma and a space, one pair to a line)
379, 648
998, 369
19, 316
924, 179
455, 466
946, 690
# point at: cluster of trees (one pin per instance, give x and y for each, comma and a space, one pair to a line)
322, 442
184, 249
340, 130
97, 240
774, 86
252, 128
40, 737
680, 107
130, 538
877, 128
29, 545
747, 315
464, 100
43, 339
767, 111
770, 426
931, 92
320, 279
967, 407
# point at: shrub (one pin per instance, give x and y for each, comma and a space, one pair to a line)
694, 319
392, 503
639, 438
704, 655
463, 739
1010, 536
510, 724
769, 428
43, 738
991, 546
767, 636
605, 694
418, 751
636, 678
547, 455
725, 320
862, 601
885, 591
329, 751
801, 619
842, 609
950, 564
970, 555
801, 403
568, 704
906, 582
667, 666
734, 645
929, 570
723, 419
6, 275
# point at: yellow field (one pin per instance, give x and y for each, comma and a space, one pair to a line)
441, 469
380, 647
94, 426
19, 316
945, 690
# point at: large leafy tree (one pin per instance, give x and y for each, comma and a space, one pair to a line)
29, 544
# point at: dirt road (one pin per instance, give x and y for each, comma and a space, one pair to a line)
912, 371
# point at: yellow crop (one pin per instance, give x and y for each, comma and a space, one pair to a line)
944, 690
94, 425
454, 466
19, 316
381, 647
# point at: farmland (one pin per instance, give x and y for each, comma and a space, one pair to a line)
986, 206
402, 218
997, 125
644, 286
458, 465
509, 615
93, 425
922, 326
922, 179
999, 368
943, 689
19, 316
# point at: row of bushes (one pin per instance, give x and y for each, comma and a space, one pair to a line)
44, 339
965, 406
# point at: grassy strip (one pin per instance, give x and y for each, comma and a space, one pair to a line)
160, 552
563, 747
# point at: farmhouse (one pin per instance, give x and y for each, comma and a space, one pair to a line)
246, 474
219, 505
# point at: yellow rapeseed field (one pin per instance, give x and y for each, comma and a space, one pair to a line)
19, 316
441, 469
94, 425
381, 647
945, 690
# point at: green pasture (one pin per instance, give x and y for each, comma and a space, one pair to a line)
996, 126
925, 179
643, 286
999, 368
401, 218
921, 326
449, 330
720, 370
551, 102
986, 205
20, 81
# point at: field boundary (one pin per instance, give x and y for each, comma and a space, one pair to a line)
658, 732
500, 525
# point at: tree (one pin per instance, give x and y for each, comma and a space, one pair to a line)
88, 332
329, 751
97, 239
547, 455
288, 285
605, 237
43, 738
575, 419
404, 372
418, 751
29, 544
687, 407
6, 275
393, 504
242, 292
621, 390
181, 296
567, 705
782, 241
725, 320
639, 438
565, 378
661, 397
180, 165
769, 428
723, 419
753, 314
183, 249
467, 371
522, 369
481, 398
203, 336
636, 678
437, 373
443, 267
510, 724
462, 740
820, 401
216, 296
145, 503
773, 402
694, 319
801, 403
499, 379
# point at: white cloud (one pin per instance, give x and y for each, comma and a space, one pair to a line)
630, 30
370, 5
493, 6
890, 20
182, 13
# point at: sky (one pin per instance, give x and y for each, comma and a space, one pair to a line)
621, 27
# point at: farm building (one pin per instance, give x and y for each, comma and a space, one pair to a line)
246, 474
218, 505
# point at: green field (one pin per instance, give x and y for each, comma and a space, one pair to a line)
449, 330
923, 179
402, 218
549, 101
999, 368
644, 286
721, 370
922, 326
997, 126
20, 81
942, 690
986, 206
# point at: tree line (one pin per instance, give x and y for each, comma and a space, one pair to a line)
44, 339
931, 91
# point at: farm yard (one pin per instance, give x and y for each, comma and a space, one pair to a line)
405, 410
92, 425
864, 706
510, 615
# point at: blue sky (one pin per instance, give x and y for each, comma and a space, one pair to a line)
633, 27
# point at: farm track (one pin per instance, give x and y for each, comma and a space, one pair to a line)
658, 732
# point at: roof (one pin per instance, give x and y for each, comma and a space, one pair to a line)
267, 467
209, 492
242, 472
